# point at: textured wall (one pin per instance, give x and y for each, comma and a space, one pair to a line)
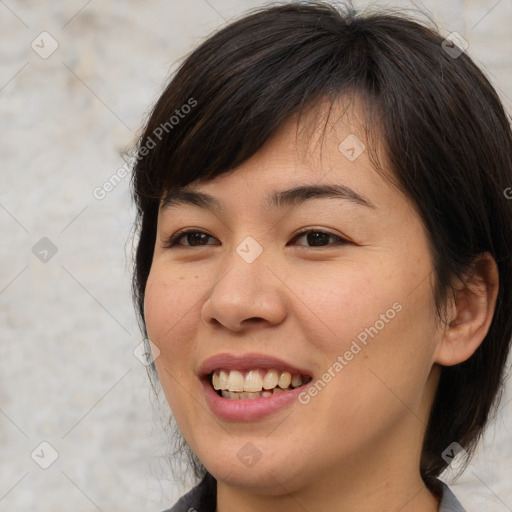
68, 375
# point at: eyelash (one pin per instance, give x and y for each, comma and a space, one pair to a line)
173, 240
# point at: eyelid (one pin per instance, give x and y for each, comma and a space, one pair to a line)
172, 241
341, 239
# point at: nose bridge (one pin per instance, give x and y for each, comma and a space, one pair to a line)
247, 290
247, 265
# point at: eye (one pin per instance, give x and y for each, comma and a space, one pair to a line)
313, 238
194, 239
319, 238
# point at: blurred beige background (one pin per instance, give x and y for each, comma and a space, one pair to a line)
71, 99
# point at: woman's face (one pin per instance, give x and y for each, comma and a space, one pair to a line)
346, 309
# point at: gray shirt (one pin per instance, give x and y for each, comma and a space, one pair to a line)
203, 498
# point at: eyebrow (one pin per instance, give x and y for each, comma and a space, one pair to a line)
278, 199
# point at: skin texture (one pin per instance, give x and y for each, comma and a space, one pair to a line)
356, 445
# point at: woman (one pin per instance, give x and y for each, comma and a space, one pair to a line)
324, 261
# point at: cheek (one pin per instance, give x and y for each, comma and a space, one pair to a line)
171, 321
380, 322
354, 301
156, 305
387, 357
168, 301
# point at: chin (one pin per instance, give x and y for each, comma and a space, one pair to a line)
271, 475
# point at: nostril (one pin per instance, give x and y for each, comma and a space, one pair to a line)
254, 319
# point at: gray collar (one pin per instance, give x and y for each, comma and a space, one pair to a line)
450, 503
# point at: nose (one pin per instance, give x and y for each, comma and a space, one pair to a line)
247, 296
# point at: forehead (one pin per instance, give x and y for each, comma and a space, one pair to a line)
323, 153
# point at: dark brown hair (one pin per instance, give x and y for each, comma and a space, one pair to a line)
445, 134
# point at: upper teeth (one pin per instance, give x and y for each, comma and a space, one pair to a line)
253, 381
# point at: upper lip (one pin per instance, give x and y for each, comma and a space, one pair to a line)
250, 361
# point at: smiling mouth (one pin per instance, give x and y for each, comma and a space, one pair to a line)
255, 383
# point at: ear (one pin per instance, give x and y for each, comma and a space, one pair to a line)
471, 312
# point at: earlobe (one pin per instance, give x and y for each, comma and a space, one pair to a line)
471, 312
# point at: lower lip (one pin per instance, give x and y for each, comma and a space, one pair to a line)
249, 409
